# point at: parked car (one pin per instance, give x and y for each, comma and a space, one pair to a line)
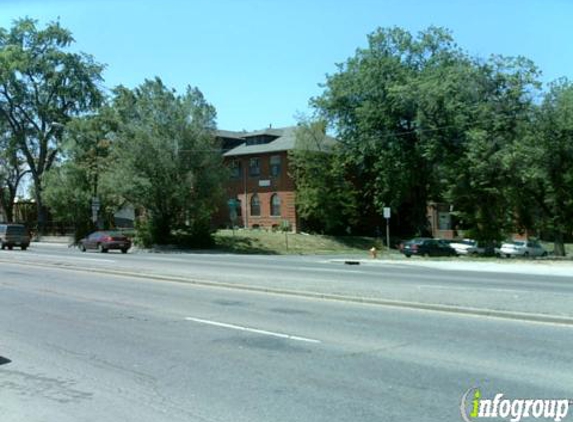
525, 248
468, 247
103, 241
14, 235
426, 247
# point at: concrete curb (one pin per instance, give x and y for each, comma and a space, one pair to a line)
460, 310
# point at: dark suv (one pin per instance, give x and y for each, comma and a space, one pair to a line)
427, 247
14, 235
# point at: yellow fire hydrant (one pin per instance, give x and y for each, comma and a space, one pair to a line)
373, 252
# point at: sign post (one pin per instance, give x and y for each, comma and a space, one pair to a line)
95, 209
233, 205
387, 212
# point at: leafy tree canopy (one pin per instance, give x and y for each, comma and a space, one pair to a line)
165, 159
42, 86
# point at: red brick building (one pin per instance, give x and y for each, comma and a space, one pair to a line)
259, 178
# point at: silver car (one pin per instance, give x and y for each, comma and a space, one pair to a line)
468, 247
524, 248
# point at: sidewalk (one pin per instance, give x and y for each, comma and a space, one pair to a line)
54, 241
560, 268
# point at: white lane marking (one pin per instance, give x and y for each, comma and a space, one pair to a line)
252, 330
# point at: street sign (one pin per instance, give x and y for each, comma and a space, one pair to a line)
387, 212
95, 208
233, 205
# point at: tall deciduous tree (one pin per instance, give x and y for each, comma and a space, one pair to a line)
385, 104
484, 181
419, 120
42, 85
325, 198
166, 160
71, 185
546, 163
12, 170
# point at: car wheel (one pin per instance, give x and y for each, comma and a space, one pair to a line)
525, 254
544, 253
507, 255
10, 247
23, 247
3, 246
408, 255
101, 248
124, 250
82, 247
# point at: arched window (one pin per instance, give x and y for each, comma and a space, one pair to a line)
255, 205
275, 205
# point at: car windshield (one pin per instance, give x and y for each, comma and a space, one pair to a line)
16, 230
418, 241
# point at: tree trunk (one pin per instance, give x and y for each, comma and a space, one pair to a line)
7, 204
9, 210
40, 210
558, 244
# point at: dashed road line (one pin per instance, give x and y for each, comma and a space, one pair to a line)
252, 330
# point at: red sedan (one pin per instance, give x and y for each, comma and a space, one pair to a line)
103, 241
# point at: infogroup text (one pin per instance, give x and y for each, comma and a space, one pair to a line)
475, 407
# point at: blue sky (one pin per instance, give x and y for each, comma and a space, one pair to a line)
260, 61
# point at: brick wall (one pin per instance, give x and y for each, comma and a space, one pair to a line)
265, 186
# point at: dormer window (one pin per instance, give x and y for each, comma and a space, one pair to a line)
260, 139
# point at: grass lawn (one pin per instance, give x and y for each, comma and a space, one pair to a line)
549, 247
279, 243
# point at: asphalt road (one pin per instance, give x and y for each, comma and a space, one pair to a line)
81, 346
504, 285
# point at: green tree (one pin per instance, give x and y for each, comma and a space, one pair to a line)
165, 159
419, 120
12, 170
71, 185
484, 182
546, 163
42, 86
384, 103
325, 199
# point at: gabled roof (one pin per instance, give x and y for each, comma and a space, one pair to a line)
285, 141
230, 134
